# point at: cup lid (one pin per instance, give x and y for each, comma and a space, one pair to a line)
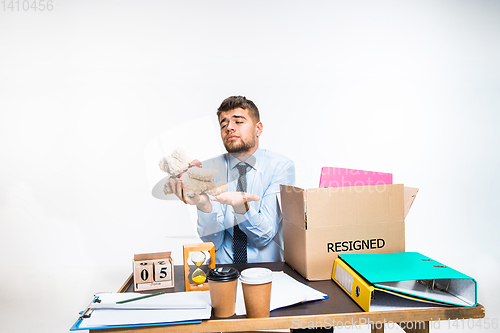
223, 274
256, 275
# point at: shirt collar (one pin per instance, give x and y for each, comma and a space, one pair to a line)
252, 160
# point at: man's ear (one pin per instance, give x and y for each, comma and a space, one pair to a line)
258, 128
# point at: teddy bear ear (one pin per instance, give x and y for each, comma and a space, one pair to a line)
163, 164
180, 155
176, 162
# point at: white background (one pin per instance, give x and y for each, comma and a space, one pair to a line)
88, 90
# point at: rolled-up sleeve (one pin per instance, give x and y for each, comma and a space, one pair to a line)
211, 225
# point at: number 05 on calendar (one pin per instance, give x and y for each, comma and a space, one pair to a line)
153, 271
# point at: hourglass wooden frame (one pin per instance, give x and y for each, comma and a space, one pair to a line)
198, 247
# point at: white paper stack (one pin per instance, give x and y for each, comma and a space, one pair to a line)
161, 309
285, 291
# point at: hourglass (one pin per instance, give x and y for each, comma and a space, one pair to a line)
198, 259
197, 255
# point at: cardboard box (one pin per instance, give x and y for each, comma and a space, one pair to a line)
320, 223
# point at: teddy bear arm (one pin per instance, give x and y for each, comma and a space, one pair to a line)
202, 174
218, 188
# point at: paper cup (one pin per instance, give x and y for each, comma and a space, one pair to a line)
257, 283
222, 284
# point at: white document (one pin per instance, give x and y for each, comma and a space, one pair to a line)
285, 291
182, 306
186, 306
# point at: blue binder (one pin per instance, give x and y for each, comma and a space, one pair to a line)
76, 325
415, 275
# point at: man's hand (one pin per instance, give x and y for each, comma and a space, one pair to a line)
199, 200
236, 199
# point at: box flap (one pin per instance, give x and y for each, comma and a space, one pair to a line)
294, 239
278, 197
354, 205
293, 199
410, 194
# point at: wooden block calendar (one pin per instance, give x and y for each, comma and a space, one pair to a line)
153, 271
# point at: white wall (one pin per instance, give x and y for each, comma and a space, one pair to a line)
87, 89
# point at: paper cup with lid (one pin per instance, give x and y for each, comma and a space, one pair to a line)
257, 283
222, 283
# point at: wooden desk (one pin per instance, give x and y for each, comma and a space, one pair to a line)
338, 308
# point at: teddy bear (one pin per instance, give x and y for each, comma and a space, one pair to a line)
192, 175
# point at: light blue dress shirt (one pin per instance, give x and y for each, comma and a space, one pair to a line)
262, 222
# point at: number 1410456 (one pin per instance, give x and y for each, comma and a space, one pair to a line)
27, 5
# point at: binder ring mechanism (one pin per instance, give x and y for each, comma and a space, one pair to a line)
433, 284
441, 284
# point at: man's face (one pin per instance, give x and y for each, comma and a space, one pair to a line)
238, 131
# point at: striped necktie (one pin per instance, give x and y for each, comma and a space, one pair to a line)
239, 237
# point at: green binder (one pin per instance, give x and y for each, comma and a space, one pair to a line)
415, 275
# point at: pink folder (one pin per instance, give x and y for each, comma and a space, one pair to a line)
341, 177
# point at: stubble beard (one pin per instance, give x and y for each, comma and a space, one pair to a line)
239, 147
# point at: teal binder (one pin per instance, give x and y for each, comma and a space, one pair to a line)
415, 275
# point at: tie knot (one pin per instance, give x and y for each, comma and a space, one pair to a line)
242, 168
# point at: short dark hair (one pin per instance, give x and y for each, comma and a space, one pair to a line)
235, 102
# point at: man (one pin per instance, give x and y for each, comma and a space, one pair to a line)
244, 223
